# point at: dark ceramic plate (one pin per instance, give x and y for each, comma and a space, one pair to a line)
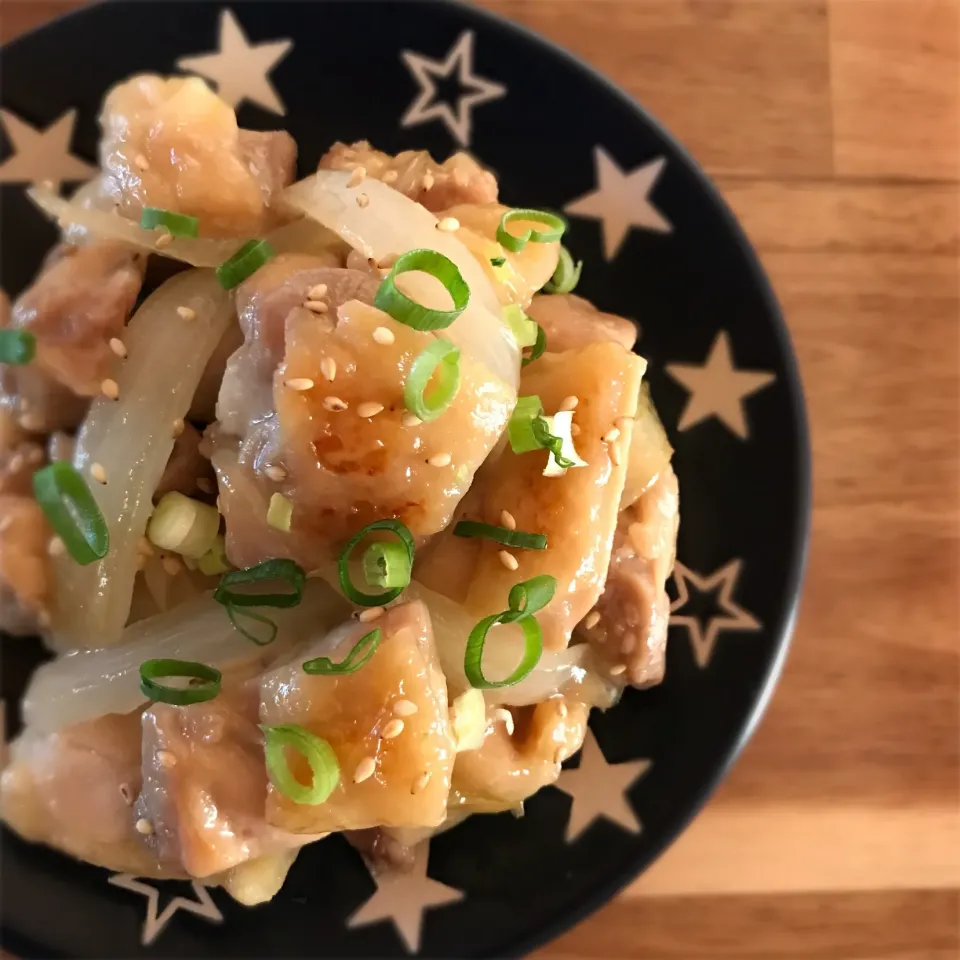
659, 246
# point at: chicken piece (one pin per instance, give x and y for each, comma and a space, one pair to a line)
570, 322
187, 470
384, 853
459, 179
514, 764
20, 457
73, 790
25, 581
393, 712
576, 511
340, 469
635, 609
173, 143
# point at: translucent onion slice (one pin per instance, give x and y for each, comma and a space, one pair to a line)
131, 439
392, 224
90, 683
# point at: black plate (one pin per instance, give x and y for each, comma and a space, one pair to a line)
548, 127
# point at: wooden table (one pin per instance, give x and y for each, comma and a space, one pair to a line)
832, 128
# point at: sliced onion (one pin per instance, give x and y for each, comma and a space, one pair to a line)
392, 224
131, 439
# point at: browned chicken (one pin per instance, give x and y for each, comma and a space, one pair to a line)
19, 457
570, 322
25, 580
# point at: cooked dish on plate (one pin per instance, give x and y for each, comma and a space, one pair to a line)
345, 527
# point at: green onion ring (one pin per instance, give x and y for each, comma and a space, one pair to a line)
244, 263
343, 564
520, 426
178, 224
277, 569
566, 276
530, 596
386, 564
510, 538
533, 648
391, 300
316, 751
547, 440
515, 243
70, 509
537, 352
235, 613
440, 357
361, 652
17, 347
153, 670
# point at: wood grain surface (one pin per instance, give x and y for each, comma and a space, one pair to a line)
832, 127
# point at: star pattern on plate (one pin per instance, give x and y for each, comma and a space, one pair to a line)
599, 789
155, 921
475, 90
717, 388
703, 638
239, 68
621, 200
403, 898
42, 155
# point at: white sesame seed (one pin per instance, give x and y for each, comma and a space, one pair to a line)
615, 454
569, 403
612, 435
275, 473
318, 292
141, 161
178, 426
363, 200
328, 367
110, 389
369, 408
427, 181
383, 336
508, 560
507, 520
370, 614
204, 485
390, 176
615, 671
405, 708
448, 225
316, 306
440, 460
392, 728
562, 710
144, 826
357, 177
629, 642
164, 240
365, 769
98, 473
186, 313
166, 759
501, 713
421, 781
591, 619
299, 384
334, 404
171, 565
410, 420
56, 547
117, 346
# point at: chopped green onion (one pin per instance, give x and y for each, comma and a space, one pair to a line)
547, 440
521, 326
361, 652
69, 507
440, 359
473, 658
520, 427
234, 612
178, 224
558, 430
153, 670
183, 525
277, 569
514, 242
214, 561
531, 596
386, 565
510, 538
537, 352
391, 300
497, 261
244, 263
318, 754
17, 347
343, 564
280, 512
566, 276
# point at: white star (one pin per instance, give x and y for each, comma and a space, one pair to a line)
599, 789
460, 58
42, 154
717, 388
733, 617
153, 924
621, 200
403, 897
240, 69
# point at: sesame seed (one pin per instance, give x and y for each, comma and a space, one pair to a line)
562, 710
166, 759
421, 781
369, 408
164, 240
410, 420
592, 619
171, 565
508, 560
392, 728
405, 708
383, 336
178, 426
390, 176
427, 181
440, 460
334, 404
32, 422
357, 177
299, 383
629, 642
363, 200
141, 161
317, 292
186, 313
56, 547
316, 306
118, 348
98, 473
365, 769
611, 436
448, 225
16, 463
617, 670
501, 713
204, 485
507, 520
328, 367
275, 473
370, 614
110, 389
569, 403
560, 755
615, 454
144, 826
